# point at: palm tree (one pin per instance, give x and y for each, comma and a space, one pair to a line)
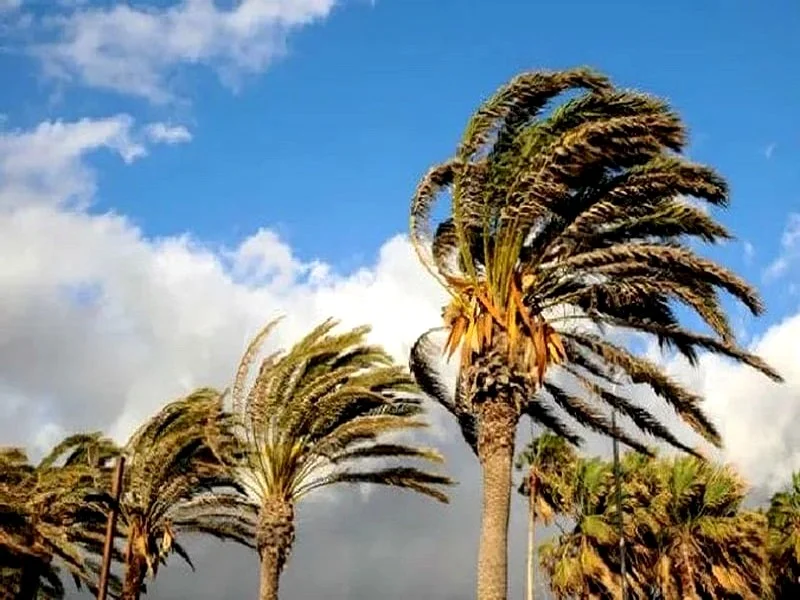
560, 225
177, 481
52, 516
579, 562
708, 546
549, 462
312, 418
784, 540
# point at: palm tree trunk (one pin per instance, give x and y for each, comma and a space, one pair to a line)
686, 575
135, 571
496, 452
531, 538
274, 538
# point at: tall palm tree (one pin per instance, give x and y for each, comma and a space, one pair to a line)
313, 417
52, 516
561, 224
708, 546
784, 540
177, 481
548, 462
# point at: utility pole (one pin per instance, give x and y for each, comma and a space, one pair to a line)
618, 486
111, 524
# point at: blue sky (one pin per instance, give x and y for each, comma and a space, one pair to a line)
175, 173
326, 145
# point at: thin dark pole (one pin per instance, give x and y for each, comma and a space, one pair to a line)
111, 524
618, 486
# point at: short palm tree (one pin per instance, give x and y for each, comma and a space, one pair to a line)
561, 224
579, 562
312, 418
784, 540
52, 516
548, 462
708, 547
177, 481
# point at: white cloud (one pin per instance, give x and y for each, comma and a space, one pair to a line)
789, 252
46, 166
168, 134
770, 150
137, 50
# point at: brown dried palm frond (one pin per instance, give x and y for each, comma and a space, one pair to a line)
177, 481
319, 414
53, 514
564, 222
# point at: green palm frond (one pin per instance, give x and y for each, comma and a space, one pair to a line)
316, 415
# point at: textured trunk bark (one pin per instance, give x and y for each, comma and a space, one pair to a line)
274, 539
135, 570
686, 575
496, 452
531, 563
269, 578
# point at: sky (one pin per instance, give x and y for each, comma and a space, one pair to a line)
173, 174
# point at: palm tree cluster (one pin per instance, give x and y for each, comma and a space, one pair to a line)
314, 416
572, 220
685, 529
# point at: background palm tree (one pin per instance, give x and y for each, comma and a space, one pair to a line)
549, 463
784, 540
578, 562
177, 481
708, 546
313, 417
562, 223
52, 516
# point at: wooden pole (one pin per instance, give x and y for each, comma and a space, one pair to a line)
111, 524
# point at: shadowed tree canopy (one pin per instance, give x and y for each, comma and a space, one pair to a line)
52, 517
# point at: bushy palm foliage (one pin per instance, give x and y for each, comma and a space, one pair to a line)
177, 481
563, 223
784, 540
52, 516
685, 532
316, 415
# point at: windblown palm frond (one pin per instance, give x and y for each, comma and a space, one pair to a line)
313, 416
565, 222
177, 481
52, 516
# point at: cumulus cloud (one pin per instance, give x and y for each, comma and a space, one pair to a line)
45, 165
102, 325
135, 50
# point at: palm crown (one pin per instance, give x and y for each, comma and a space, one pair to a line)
566, 222
53, 515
